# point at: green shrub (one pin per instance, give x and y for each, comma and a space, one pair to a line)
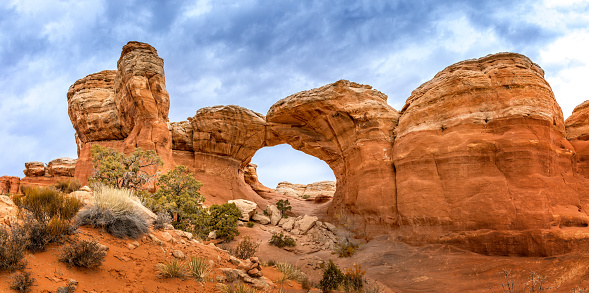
177, 195
22, 282
114, 169
83, 253
199, 268
246, 248
13, 244
332, 277
222, 218
250, 224
67, 186
282, 240
283, 206
172, 269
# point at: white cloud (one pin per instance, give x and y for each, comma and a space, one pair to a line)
568, 62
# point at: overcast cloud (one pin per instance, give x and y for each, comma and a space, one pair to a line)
253, 53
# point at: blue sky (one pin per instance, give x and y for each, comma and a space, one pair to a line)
253, 53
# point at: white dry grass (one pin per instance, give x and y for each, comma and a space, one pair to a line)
118, 201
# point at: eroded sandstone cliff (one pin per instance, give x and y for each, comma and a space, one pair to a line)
478, 155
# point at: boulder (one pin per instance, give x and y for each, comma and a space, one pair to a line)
261, 218
34, 169
246, 208
288, 223
305, 223
275, 214
62, 167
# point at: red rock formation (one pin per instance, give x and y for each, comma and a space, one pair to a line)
142, 100
350, 127
251, 178
64, 167
92, 108
124, 109
577, 132
9, 184
482, 146
323, 189
225, 138
39, 175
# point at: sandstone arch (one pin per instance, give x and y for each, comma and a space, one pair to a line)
479, 156
349, 126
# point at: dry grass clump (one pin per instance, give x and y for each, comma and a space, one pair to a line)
238, 288
199, 268
68, 186
291, 271
115, 212
118, 201
172, 269
83, 253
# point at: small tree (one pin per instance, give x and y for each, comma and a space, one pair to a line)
114, 169
283, 206
178, 195
221, 218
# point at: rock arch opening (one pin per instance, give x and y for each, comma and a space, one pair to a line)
293, 173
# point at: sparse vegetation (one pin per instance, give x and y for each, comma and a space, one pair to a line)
115, 212
46, 215
83, 253
332, 277
281, 240
354, 278
199, 268
114, 169
238, 288
13, 244
291, 271
22, 282
345, 248
246, 248
535, 283
46, 203
178, 196
283, 206
67, 186
250, 224
161, 220
172, 269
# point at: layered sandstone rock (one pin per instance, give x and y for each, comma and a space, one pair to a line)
482, 145
225, 138
123, 109
251, 178
142, 100
313, 190
34, 169
577, 132
9, 184
181, 133
92, 108
350, 127
37, 174
62, 167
